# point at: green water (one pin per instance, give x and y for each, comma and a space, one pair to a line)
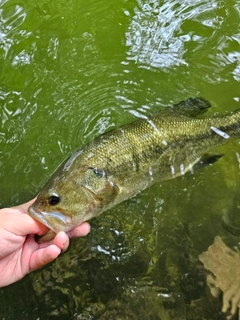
69, 71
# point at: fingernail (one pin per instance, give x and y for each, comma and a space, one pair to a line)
64, 237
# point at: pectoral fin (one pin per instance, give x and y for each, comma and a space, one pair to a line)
102, 197
108, 192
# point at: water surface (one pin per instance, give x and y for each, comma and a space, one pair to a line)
70, 71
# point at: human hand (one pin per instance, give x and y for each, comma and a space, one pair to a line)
19, 252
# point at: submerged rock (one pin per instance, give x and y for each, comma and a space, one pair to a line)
224, 264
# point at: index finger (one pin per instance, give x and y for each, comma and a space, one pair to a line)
23, 208
21, 224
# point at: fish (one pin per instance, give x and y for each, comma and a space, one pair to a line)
120, 163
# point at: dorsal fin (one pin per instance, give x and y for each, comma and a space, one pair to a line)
191, 107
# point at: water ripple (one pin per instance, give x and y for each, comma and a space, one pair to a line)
11, 19
159, 32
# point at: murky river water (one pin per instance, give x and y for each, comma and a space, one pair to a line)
71, 70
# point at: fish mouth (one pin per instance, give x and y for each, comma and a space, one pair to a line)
54, 220
39, 215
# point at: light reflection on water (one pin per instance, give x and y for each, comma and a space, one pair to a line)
69, 72
156, 34
159, 36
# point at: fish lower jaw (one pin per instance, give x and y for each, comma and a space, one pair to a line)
55, 222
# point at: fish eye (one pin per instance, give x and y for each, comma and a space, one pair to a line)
53, 200
100, 173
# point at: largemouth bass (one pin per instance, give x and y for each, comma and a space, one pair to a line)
120, 163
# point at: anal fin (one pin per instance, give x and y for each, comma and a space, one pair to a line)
207, 159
